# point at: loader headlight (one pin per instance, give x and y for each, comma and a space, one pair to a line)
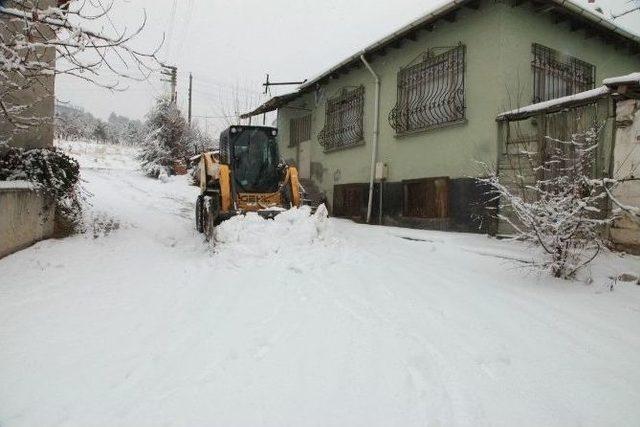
233, 130
274, 132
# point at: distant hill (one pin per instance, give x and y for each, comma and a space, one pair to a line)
74, 123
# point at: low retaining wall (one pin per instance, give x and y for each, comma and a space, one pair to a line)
24, 217
467, 204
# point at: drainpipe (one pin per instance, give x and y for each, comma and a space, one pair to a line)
374, 147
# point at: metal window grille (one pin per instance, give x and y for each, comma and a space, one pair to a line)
556, 75
343, 120
299, 130
431, 92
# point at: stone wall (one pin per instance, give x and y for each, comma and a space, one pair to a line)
24, 217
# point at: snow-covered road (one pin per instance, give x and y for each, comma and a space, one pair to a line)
302, 322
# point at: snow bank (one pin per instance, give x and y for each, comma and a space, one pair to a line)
290, 231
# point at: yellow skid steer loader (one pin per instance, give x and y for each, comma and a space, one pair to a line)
247, 177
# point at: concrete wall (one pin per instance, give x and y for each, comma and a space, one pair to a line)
625, 233
24, 217
498, 41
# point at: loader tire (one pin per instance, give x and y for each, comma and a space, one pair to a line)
211, 216
200, 214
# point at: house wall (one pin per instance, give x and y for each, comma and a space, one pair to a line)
38, 97
498, 41
521, 26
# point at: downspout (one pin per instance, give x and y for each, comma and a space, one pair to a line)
374, 147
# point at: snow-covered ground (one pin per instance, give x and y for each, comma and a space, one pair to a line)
301, 321
93, 155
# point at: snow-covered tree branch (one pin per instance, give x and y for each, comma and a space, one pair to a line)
40, 40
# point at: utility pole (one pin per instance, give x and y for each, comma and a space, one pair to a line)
172, 73
190, 95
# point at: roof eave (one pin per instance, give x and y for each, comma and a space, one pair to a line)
272, 104
449, 7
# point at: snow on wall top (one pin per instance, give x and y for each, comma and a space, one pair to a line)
546, 105
629, 78
607, 87
17, 185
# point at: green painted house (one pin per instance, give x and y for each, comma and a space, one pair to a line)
396, 133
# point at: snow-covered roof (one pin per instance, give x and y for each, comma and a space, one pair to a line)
609, 86
443, 10
449, 7
563, 102
272, 104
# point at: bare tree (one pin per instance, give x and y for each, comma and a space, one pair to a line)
231, 105
42, 39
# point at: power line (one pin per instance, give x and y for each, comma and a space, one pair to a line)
170, 25
211, 82
187, 26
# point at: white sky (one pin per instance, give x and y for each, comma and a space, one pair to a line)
227, 44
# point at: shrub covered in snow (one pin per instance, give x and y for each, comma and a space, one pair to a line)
561, 208
54, 173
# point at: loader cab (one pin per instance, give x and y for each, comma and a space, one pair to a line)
253, 157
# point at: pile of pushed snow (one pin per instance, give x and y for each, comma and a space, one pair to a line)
291, 230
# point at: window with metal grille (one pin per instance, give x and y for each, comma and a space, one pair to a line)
556, 75
299, 130
343, 120
430, 92
426, 198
